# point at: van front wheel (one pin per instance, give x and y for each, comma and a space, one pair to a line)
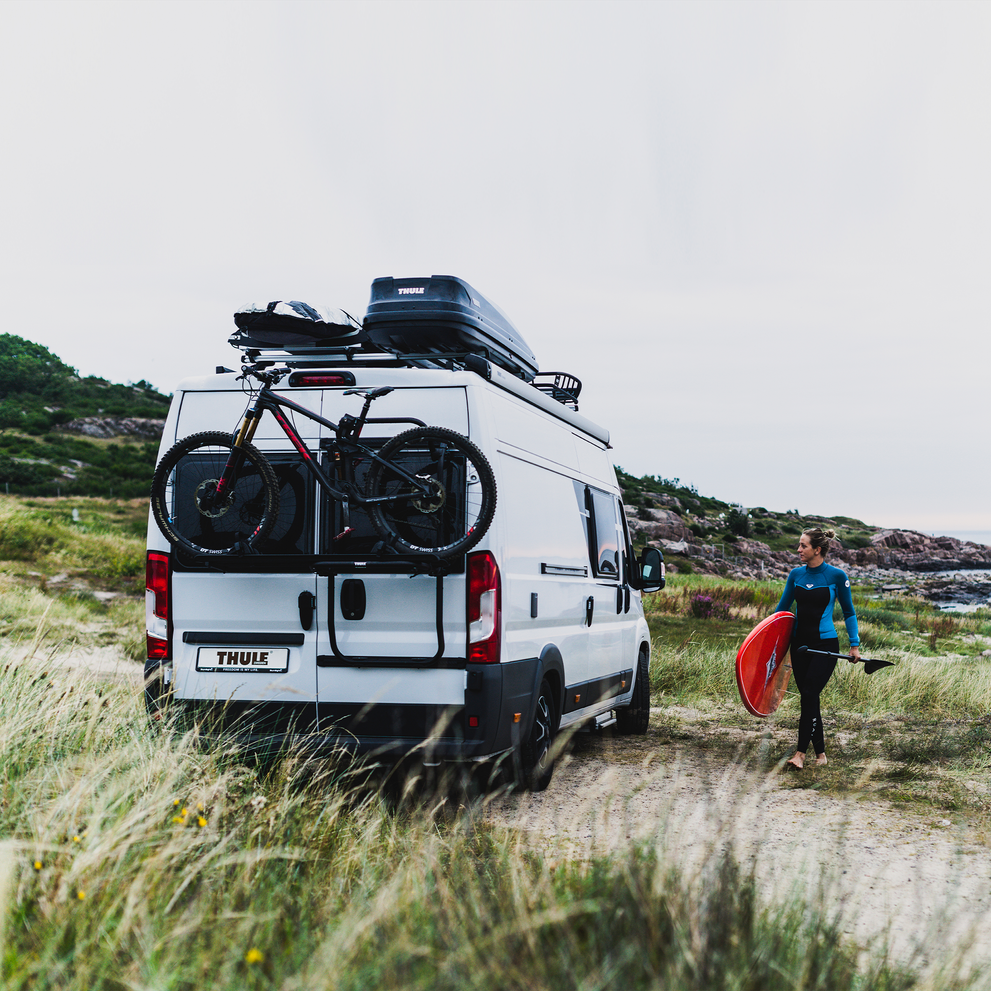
634, 718
536, 752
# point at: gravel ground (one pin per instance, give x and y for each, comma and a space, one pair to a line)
917, 881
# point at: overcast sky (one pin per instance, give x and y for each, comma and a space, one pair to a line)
760, 233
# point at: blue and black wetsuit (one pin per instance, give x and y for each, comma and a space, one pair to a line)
815, 591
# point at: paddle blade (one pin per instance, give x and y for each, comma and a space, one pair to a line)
871, 666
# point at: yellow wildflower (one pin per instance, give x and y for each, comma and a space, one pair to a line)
37, 865
81, 895
201, 822
254, 956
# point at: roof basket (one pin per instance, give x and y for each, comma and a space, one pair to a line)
560, 386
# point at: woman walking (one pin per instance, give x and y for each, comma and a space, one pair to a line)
815, 587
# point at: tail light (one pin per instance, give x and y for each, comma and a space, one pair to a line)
484, 608
158, 610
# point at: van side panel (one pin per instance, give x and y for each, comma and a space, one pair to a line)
542, 541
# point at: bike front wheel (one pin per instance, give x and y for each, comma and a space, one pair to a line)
447, 510
184, 502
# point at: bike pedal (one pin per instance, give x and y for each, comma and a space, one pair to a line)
344, 533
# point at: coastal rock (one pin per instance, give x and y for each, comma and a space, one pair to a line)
913, 551
660, 499
746, 546
114, 426
893, 554
662, 525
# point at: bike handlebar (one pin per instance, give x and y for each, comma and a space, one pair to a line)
270, 376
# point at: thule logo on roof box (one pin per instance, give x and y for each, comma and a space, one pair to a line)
411, 290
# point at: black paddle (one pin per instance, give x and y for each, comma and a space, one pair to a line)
870, 666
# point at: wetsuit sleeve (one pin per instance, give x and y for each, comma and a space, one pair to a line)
845, 599
788, 596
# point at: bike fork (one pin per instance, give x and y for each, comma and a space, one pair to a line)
244, 436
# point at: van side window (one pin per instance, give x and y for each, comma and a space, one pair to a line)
603, 533
628, 554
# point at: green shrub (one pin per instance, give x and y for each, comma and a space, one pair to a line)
27, 536
737, 522
856, 541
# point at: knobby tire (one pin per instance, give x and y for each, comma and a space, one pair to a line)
241, 523
459, 511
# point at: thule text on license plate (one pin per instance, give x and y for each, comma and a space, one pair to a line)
265, 660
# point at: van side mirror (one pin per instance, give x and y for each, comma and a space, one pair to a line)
651, 567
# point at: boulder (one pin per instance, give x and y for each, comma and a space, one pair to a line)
662, 525
748, 547
660, 499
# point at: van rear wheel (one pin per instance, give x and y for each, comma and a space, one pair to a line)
450, 509
536, 751
185, 510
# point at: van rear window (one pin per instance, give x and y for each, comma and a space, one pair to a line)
293, 529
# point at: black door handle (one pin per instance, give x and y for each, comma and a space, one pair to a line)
619, 599
589, 606
307, 603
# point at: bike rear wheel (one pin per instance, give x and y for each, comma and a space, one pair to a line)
183, 489
453, 515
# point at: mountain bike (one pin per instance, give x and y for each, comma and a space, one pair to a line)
427, 491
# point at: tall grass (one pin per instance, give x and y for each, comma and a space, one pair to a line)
704, 670
134, 860
42, 622
106, 543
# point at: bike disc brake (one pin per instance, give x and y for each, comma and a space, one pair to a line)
203, 502
433, 501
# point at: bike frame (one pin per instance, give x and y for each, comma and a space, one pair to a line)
347, 446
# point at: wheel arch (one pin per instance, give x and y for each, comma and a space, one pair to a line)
551, 667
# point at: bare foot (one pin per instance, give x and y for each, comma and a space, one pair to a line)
797, 762
821, 760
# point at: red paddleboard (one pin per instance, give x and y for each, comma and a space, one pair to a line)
761, 671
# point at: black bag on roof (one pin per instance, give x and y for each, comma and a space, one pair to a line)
292, 325
444, 315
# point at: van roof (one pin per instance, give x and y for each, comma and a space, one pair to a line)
368, 373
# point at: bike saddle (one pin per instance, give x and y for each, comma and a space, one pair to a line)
369, 393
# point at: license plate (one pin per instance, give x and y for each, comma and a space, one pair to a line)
264, 660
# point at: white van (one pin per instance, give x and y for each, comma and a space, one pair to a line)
326, 638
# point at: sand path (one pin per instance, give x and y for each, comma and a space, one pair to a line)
913, 879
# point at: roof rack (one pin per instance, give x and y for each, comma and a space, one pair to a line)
560, 386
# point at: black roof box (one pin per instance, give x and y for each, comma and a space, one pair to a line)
444, 315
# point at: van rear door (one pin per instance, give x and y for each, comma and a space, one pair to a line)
245, 629
242, 641
390, 642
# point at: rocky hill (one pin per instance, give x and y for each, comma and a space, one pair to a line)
62, 433
701, 534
